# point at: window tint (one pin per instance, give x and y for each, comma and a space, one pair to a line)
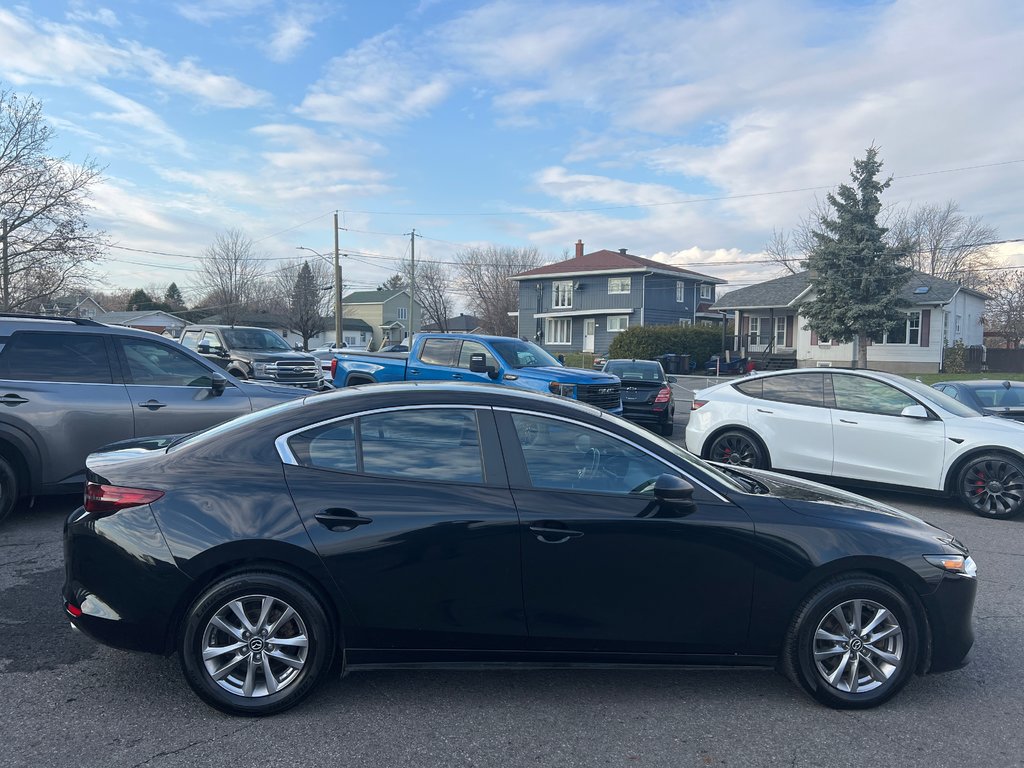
796, 388
329, 447
635, 370
474, 348
191, 339
565, 456
753, 388
856, 393
72, 357
439, 352
161, 365
211, 338
442, 444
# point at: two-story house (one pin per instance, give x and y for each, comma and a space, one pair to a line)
580, 304
386, 312
770, 326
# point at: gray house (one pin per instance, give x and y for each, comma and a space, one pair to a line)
385, 312
580, 304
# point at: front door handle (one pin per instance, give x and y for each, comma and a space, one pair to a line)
12, 399
340, 519
153, 405
553, 532
847, 421
763, 410
457, 376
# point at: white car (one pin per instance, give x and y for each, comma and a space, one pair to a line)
863, 426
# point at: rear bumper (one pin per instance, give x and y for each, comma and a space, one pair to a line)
950, 610
121, 586
646, 415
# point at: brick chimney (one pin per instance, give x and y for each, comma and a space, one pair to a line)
579, 248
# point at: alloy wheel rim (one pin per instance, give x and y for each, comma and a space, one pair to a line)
735, 450
858, 646
255, 646
994, 487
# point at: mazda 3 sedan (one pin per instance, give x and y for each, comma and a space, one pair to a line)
439, 524
863, 427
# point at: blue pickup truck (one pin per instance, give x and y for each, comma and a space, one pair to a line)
491, 359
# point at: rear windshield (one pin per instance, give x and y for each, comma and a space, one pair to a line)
635, 370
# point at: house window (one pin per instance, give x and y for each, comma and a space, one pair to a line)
558, 331
561, 294
780, 331
707, 291
908, 332
680, 291
618, 322
618, 285
755, 331
403, 313
685, 321
708, 323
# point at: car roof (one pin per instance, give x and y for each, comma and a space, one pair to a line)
978, 383
18, 322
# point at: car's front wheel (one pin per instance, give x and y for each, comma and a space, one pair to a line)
740, 448
255, 643
992, 485
853, 643
8, 488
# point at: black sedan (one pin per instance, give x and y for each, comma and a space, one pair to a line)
988, 396
440, 524
646, 392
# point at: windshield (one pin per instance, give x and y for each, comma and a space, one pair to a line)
635, 370
941, 399
255, 338
523, 354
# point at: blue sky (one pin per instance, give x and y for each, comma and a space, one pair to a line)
514, 123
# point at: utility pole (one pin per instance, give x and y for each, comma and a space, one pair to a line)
6, 271
412, 284
339, 339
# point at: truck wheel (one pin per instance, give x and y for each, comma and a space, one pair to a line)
8, 488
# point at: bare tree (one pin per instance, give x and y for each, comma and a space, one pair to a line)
1005, 310
433, 290
789, 250
47, 246
779, 250
230, 274
942, 241
485, 275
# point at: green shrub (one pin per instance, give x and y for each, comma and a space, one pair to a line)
646, 342
954, 358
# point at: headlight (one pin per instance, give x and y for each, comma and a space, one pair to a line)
260, 369
963, 566
565, 390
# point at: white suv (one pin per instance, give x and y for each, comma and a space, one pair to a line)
863, 426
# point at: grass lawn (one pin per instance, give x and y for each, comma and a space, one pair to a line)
931, 378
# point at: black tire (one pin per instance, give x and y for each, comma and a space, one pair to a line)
992, 486
862, 677
9, 488
259, 651
738, 447
667, 427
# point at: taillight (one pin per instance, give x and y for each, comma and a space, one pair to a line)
697, 404
334, 367
664, 396
102, 500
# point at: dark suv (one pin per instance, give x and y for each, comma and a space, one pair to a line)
254, 353
70, 386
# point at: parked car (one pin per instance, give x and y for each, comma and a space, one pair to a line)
990, 397
70, 386
863, 427
503, 360
412, 524
394, 348
259, 354
646, 392
733, 367
599, 361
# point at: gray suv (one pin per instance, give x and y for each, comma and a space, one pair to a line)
70, 386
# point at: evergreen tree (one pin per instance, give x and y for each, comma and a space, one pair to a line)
857, 278
396, 282
173, 297
306, 306
139, 301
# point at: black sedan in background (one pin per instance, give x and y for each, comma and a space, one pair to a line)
646, 393
988, 396
439, 524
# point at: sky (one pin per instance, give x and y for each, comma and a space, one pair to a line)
684, 131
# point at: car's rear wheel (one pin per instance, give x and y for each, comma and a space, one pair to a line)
8, 488
255, 643
853, 643
740, 448
992, 486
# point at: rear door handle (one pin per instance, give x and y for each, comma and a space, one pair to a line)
764, 410
153, 405
847, 421
12, 399
553, 532
340, 519
457, 376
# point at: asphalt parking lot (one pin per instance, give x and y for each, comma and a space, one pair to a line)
68, 701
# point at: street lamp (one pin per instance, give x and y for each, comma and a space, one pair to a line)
338, 338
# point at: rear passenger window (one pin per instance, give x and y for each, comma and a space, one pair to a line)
751, 388
796, 388
439, 352
79, 358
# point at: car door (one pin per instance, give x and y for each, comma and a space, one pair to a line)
61, 389
605, 566
435, 360
172, 392
872, 441
790, 416
468, 349
411, 512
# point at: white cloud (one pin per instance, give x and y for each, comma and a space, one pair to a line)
79, 11
209, 11
130, 113
290, 33
189, 78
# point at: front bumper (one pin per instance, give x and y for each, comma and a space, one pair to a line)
121, 586
950, 610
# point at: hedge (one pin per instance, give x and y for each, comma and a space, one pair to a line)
646, 342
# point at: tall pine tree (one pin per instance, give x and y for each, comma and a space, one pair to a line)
306, 306
857, 278
173, 297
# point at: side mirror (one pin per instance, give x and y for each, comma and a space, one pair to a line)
204, 347
915, 412
478, 364
672, 379
218, 384
674, 491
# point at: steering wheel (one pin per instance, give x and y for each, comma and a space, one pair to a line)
590, 471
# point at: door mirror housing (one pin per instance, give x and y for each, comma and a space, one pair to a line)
915, 412
673, 490
672, 379
478, 364
218, 384
204, 347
